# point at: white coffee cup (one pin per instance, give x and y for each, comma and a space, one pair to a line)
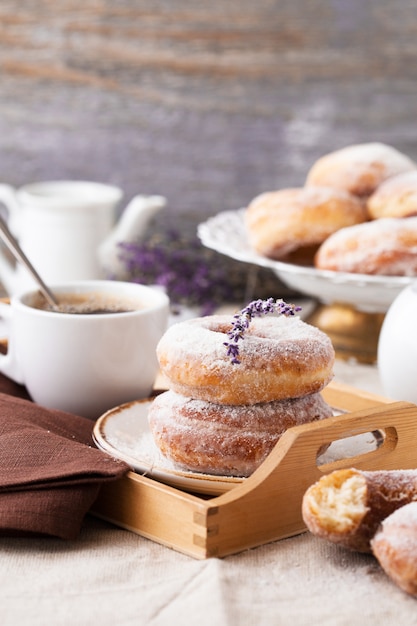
90, 362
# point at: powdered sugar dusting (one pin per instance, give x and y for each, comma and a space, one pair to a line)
298, 198
280, 357
359, 155
360, 168
269, 417
226, 440
395, 546
266, 340
405, 516
396, 197
279, 222
387, 246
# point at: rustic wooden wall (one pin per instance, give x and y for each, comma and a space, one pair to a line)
209, 103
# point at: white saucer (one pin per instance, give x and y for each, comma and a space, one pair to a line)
124, 433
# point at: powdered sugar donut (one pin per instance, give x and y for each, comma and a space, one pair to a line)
228, 440
395, 547
280, 222
359, 168
387, 246
347, 506
280, 357
396, 197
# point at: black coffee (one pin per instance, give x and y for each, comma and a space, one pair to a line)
87, 304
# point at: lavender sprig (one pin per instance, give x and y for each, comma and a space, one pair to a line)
190, 273
241, 322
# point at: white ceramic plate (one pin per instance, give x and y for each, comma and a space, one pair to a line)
225, 233
123, 432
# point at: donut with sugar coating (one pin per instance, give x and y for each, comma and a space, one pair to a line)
387, 247
396, 197
280, 357
359, 168
229, 440
281, 222
395, 547
347, 506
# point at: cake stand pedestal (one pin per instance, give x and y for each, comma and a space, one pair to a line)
354, 333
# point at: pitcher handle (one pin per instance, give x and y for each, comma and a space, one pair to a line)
9, 200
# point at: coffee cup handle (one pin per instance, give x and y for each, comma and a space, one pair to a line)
8, 363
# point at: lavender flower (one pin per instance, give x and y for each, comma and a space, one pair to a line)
190, 273
241, 322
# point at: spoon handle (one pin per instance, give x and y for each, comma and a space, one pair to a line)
20, 256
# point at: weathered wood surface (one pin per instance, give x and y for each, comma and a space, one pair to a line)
208, 103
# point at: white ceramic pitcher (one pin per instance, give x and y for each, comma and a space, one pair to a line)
68, 230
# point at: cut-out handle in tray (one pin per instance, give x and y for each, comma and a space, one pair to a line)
297, 451
267, 506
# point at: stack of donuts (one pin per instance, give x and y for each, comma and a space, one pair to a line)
223, 415
357, 212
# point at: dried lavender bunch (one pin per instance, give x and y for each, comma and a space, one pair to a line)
241, 321
189, 272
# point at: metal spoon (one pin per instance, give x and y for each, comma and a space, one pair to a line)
20, 256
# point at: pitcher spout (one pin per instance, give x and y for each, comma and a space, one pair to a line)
131, 227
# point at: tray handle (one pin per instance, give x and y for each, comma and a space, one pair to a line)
294, 459
267, 505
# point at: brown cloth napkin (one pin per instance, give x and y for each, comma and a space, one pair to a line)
50, 470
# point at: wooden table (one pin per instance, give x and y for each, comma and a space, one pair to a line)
209, 104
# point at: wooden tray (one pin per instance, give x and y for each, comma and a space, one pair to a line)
267, 505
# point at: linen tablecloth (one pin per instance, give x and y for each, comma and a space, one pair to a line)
111, 576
